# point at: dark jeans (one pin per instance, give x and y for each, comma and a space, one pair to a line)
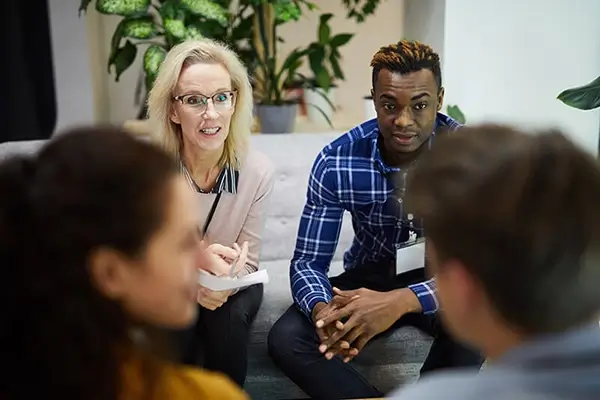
293, 342
218, 341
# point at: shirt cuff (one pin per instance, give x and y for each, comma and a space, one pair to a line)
426, 293
309, 304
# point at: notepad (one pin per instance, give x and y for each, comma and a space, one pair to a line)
219, 283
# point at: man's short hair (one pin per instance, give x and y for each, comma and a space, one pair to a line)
405, 57
521, 211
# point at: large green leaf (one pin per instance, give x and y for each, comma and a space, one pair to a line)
324, 29
456, 113
341, 39
586, 97
335, 66
123, 59
175, 28
316, 58
126, 8
172, 9
115, 44
139, 27
173, 16
207, 9
83, 6
193, 32
286, 10
153, 59
291, 63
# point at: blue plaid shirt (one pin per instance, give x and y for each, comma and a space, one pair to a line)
349, 175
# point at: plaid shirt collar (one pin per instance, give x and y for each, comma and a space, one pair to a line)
441, 120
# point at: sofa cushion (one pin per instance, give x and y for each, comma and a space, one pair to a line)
293, 156
27, 147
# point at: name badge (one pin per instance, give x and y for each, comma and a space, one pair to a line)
410, 255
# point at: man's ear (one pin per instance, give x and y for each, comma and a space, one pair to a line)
108, 271
467, 288
440, 99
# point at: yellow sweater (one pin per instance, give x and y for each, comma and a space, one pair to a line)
178, 382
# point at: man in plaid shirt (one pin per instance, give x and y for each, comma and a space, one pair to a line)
333, 318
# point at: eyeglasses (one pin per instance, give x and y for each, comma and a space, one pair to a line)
222, 101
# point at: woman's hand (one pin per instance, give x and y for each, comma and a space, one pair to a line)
212, 300
217, 259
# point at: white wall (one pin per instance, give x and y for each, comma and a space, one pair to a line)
73, 80
424, 21
508, 60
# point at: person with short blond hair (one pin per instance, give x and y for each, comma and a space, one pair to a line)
200, 109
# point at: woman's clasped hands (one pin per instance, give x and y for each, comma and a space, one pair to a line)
218, 260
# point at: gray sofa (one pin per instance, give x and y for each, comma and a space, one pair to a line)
388, 362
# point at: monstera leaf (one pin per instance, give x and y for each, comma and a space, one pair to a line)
126, 8
207, 9
586, 97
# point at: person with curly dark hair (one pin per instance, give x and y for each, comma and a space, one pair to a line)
99, 247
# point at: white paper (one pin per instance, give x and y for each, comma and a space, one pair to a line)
410, 258
219, 283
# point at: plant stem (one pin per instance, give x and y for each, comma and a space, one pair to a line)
163, 45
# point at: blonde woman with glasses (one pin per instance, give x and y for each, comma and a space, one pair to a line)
200, 109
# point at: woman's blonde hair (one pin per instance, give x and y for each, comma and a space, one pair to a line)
167, 133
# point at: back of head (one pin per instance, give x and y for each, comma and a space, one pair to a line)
160, 100
88, 188
520, 212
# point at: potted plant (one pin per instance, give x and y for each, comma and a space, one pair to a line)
324, 61
276, 111
161, 24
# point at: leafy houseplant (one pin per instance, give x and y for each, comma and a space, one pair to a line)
360, 9
456, 113
276, 112
324, 55
586, 97
162, 24
324, 61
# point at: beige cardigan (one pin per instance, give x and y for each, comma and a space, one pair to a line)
241, 216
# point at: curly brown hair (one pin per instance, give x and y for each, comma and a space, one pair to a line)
90, 187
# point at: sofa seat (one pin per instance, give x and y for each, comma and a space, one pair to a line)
388, 362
